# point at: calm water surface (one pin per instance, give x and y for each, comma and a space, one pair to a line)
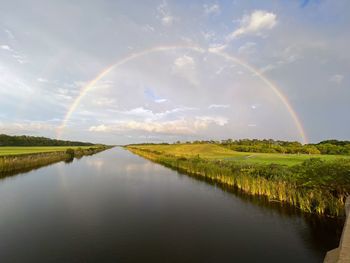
118, 207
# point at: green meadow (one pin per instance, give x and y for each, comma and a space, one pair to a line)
217, 152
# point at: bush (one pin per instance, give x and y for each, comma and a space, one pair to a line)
70, 154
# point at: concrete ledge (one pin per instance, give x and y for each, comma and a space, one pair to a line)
342, 253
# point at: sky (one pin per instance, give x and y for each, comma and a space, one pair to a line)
183, 70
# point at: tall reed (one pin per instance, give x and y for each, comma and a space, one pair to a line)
276, 182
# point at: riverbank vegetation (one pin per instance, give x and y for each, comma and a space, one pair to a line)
24, 153
313, 183
6, 151
14, 160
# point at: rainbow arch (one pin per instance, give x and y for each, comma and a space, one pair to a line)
283, 98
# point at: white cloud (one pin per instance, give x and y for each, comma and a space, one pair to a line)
247, 49
164, 14
221, 69
254, 24
168, 127
20, 59
42, 80
179, 126
290, 54
184, 61
9, 34
149, 115
16, 55
213, 9
99, 128
140, 111
104, 102
286, 56
103, 84
337, 78
204, 121
6, 47
214, 48
64, 94
215, 106
13, 85
208, 35
185, 66
167, 20
160, 100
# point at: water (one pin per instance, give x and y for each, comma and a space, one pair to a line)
117, 207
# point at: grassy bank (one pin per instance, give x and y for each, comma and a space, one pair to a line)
19, 150
21, 159
217, 152
314, 185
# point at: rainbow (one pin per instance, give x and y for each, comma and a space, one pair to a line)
215, 51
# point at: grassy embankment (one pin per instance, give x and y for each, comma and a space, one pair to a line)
21, 159
313, 183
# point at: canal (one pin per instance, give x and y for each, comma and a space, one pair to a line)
117, 207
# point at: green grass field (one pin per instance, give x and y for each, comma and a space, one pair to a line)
6, 151
212, 151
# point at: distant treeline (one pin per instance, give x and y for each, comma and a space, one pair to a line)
276, 146
272, 146
7, 140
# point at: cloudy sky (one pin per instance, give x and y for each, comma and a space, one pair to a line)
183, 69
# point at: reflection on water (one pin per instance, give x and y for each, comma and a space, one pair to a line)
115, 206
321, 232
96, 163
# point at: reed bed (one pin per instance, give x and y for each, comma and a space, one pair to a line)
301, 185
13, 164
